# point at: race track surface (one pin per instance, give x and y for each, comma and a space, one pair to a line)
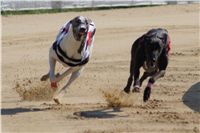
174, 106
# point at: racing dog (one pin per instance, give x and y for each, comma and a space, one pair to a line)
72, 48
151, 51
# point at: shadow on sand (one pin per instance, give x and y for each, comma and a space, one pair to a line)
192, 97
101, 113
14, 111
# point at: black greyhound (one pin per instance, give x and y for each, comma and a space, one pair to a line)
150, 51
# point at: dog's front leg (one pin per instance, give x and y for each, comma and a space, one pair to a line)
136, 85
60, 93
51, 73
129, 83
130, 79
52, 64
144, 76
152, 80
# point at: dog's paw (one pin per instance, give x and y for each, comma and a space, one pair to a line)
147, 93
44, 77
58, 96
127, 89
136, 89
56, 100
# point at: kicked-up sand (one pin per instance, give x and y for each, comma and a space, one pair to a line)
95, 103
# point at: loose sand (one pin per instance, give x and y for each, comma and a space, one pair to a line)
174, 106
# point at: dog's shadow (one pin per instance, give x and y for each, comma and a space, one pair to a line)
100, 113
14, 111
192, 97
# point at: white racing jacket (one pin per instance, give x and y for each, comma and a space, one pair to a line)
66, 47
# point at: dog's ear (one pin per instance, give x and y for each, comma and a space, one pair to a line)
165, 38
76, 18
89, 21
73, 21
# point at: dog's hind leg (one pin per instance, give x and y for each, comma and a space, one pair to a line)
59, 77
60, 93
156, 76
73, 77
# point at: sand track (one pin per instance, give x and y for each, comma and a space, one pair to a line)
88, 106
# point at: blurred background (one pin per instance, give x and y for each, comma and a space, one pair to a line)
15, 5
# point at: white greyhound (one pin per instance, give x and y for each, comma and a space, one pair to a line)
72, 48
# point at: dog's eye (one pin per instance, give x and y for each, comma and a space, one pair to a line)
79, 21
157, 47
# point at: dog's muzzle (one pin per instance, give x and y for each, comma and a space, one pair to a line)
148, 67
151, 64
151, 61
82, 30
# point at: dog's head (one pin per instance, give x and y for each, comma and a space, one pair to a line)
80, 27
153, 49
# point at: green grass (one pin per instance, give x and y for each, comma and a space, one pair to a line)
42, 11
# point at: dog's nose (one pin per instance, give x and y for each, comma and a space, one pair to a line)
82, 30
